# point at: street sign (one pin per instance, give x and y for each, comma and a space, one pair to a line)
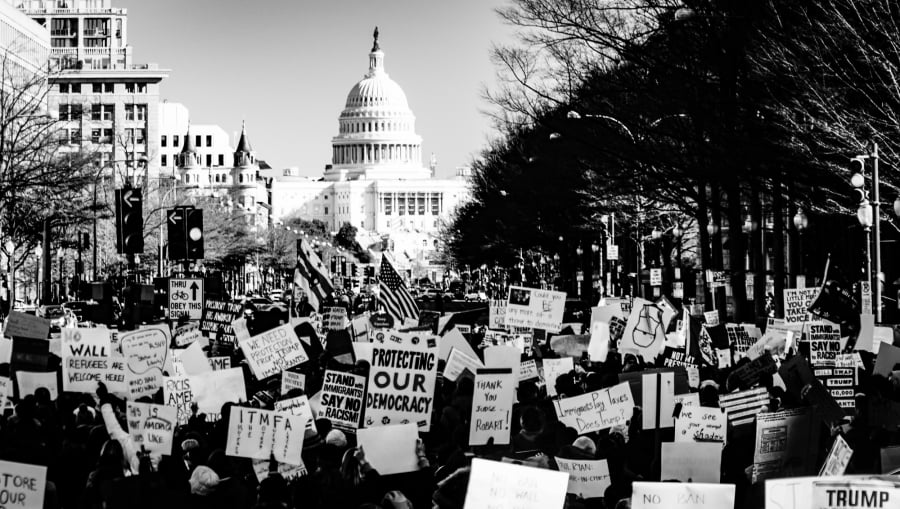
655, 277
186, 298
865, 290
612, 252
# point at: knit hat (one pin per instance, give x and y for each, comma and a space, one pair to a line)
337, 438
586, 444
203, 480
189, 444
395, 500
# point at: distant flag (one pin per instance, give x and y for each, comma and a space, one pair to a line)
311, 276
393, 294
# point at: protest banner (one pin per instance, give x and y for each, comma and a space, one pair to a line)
676, 357
741, 337
86, 342
219, 363
458, 362
843, 493
187, 334
553, 368
492, 402
796, 304
841, 382
494, 484
22, 485
151, 426
644, 334
291, 380
29, 381
596, 410
343, 396
177, 393
23, 325
587, 478
300, 407
742, 406
786, 444
81, 374
668, 495
212, 389
334, 318
824, 343
401, 385
390, 449
259, 434
497, 314
530, 307
838, 458
146, 353
217, 318
273, 351
701, 424
528, 370
691, 461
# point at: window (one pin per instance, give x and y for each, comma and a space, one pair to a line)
208, 160
108, 111
99, 135
401, 204
175, 140
420, 199
326, 209
140, 136
98, 88
136, 112
162, 160
75, 136
221, 159
208, 140
141, 112
96, 111
241, 178
135, 88
411, 204
70, 112
197, 140
436, 202
70, 88
388, 204
95, 135
162, 142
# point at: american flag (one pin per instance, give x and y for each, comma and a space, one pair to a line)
311, 276
393, 293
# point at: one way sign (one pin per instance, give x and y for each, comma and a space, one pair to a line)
186, 298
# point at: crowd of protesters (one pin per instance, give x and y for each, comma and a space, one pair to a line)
92, 463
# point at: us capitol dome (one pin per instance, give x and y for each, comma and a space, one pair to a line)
376, 130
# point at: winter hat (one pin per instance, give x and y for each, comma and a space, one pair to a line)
190, 444
586, 444
395, 500
337, 438
203, 480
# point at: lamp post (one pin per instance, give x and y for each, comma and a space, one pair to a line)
38, 252
61, 289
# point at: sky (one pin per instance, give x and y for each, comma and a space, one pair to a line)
286, 66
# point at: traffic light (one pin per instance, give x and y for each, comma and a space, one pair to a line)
354, 270
194, 233
334, 265
129, 221
175, 227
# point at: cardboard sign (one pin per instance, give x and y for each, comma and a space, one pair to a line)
528, 370
23, 325
343, 396
553, 368
273, 351
335, 318
494, 484
186, 298
701, 424
390, 449
644, 334
85, 342
30, 381
146, 351
691, 461
596, 410
497, 314
749, 373
587, 478
796, 304
151, 426
81, 374
213, 389
291, 380
458, 362
824, 343
530, 307
259, 434
217, 318
177, 393
187, 334
668, 495
838, 458
773, 342
401, 385
492, 403
22, 485
786, 444
219, 363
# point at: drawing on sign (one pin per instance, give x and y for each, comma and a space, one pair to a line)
186, 298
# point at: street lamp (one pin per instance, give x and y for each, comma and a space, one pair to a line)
800, 220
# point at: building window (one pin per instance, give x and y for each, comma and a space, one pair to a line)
163, 160
98, 88
241, 178
221, 159
70, 88
70, 112
197, 139
436, 199
326, 209
411, 204
175, 140
208, 140
136, 112
401, 204
162, 142
420, 199
135, 88
208, 160
140, 136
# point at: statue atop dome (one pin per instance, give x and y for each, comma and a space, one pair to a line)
375, 46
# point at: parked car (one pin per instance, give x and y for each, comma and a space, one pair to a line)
276, 295
55, 313
477, 296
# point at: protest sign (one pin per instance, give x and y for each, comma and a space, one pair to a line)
287, 472
587, 478
890, 459
503, 357
273, 351
23, 325
654, 391
193, 359
217, 318
453, 338
86, 342
259, 434
459, 361
177, 393
146, 352
528, 370
880, 336
492, 402
151, 426
741, 337
676, 357
796, 304
494, 484
6, 346
644, 334
401, 385
749, 373
497, 314
241, 330
841, 383
711, 318
691, 461
187, 334
30, 381
553, 368
114, 378
824, 343
668, 495
213, 389
5, 391
342, 399
773, 342
786, 444
887, 360
856, 493
22, 485
701, 424
742, 406
838, 458
291, 380
570, 345
335, 318
300, 407
390, 449
598, 348
81, 374
530, 307
219, 363
596, 410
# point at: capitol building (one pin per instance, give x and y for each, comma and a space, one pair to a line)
376, 180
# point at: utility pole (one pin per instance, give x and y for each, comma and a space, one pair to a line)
877, 221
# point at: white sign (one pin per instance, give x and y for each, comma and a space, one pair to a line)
701, 424
22, 485
597, 410
497, 314
177, 393
672, 495
711, 318
343, 396
291, 380
213, 389
587, 478
145, 351
152, 426
390, 449
691, 461
493, 484
30, 381
87, 342
553, 368
259, 434
656, 277
401, 385
838, 458
796, 304
644, 332
530, 307
612, 252
492, 403
458, 362
273, 351
186, 298
865, 301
